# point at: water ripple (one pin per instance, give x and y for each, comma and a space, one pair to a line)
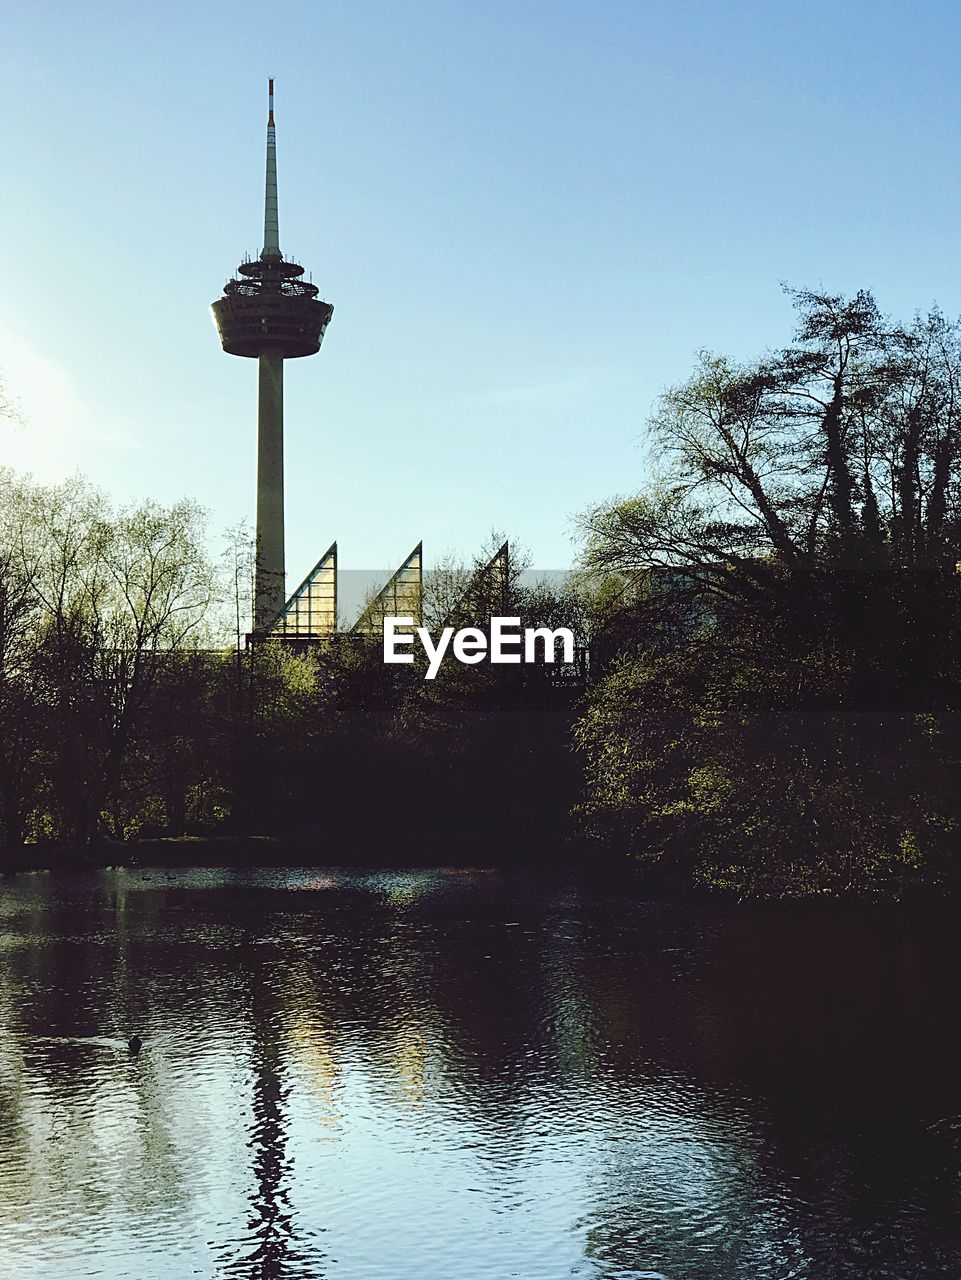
440, 1075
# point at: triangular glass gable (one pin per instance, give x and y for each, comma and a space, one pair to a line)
312, 610
486, 594
400, 598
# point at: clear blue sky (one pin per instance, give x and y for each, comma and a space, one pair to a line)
528, 216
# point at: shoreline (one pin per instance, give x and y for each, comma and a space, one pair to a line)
458, 851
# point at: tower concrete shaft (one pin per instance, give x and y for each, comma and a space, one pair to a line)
270, 593
269, 313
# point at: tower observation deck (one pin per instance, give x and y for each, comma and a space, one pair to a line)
269, 313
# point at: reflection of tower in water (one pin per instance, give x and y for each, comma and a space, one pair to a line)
276, 1247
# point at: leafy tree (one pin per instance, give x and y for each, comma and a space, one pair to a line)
93, 603
780, 713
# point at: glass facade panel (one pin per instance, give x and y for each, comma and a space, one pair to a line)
312, 610
486, 595
400, 598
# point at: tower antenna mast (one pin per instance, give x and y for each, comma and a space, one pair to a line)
271, 249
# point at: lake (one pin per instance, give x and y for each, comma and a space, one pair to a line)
446, 1074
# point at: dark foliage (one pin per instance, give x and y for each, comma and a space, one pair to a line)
780, 709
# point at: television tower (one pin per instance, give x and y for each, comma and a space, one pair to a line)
270, 314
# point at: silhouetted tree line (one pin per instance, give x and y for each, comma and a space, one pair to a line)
125, 714
773, 621
368, 761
